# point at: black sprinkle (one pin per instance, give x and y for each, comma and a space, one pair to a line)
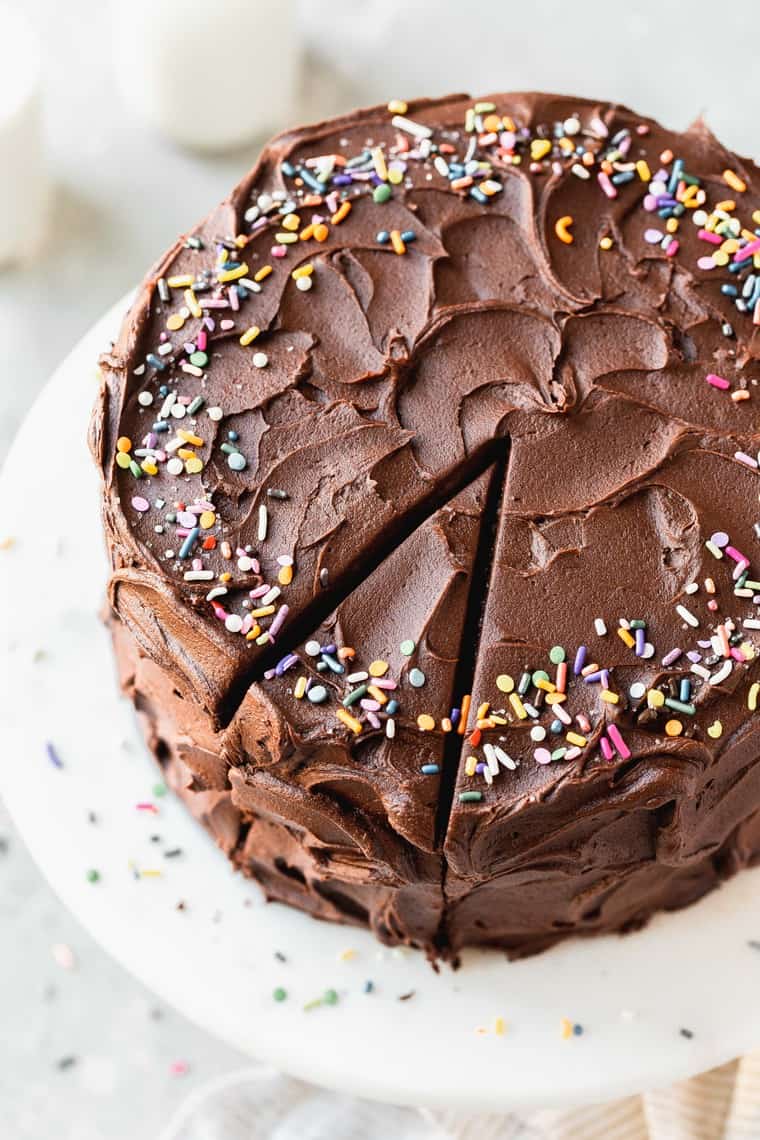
406, 997
180, 905
155, 838
280, 956
66, 1063
91, 817
687, 1033
173, 853
3, 845
754, 944
369, 987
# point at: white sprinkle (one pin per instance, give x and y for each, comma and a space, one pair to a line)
751, 623
417, 129
215, 414
145, 399
692, 587
637, 690
245, 563
175, 466
263, 523
165, 349
491, 759
700, 671
687, 616
217, 592
270, 596
725, 671
311, 648
390, 728
304, 284
260, 360
600, 627
167, 405
198, 575
233, 623
504, 758
178, 411
355, 678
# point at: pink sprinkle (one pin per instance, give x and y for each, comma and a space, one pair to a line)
197, 564
717, 381
147, 807
606, 185
278, 251
202, 339
232, 293
542, 756
370, 706
607, 750
384, 683
259, 591
373, 719
277, 621
737, 555
179, 1068
747, 460
747, 250
673, 248
140, 504
705, 263
706, 235
622, 748
737, 654
226, 325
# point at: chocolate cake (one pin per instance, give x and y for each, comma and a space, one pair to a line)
430, 486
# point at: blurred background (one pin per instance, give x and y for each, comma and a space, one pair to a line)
121, 123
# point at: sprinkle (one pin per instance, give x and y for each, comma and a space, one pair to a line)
470, 797
52, 755
416, 678
350, 721
620, 746
562, 229
505, 683
734, 181
250, 335
263, 523
317, 694
753, 695
279, 994
717, 381
687, 616
425, 722
418, 130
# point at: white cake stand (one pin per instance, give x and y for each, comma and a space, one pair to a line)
215, 958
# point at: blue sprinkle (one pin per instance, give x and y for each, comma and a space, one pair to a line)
189, 543
408, 235
382, 237
154, 362
430, 769
392, 707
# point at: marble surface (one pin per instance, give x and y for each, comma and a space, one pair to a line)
86, 1053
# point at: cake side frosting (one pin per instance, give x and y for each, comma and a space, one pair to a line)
548, 296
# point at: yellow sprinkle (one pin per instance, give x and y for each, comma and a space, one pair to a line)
262, 273
307, 232
250, 335
606, 243
756, 217
234, 274
626, 637
465, 712
643, 171
149, 467
547, 686
342, 212
290, 222
344, 716
300, 688
123, 443
498, 720
225, 576
150, 874
539, 148
425, 722
470, 765
397, 242
673, 728
284, 238
482, 712
395, 176
504, 683
302, 271
321, 232
181, 282
518, 706
194, 465
206, 520
398, 107
446, 724
122, 460
192, 303
190, 438
734, 181
576, 739
500, 1027
223, 257
175, 322
255, 631
285, 575
555, 698
672, 225
715, 730
610, 697
655, 699
378, 668
489, 187
378, 160
378, 694
565, 1028
346, 955
562, 229
263, 611
754, 692
185, 453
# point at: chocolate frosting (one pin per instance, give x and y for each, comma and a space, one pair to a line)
476, 377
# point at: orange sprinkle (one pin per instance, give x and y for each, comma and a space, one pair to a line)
562, 229
462, 726
732, 179
342, 212
344, 716
397, 242
475, 737
321, 232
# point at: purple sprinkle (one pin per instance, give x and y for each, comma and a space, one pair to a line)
269, 674
694, 657
454, 716
605, 681
480, 768
277, 621
285, 664
653, 237
330, 649
592, 678
719, 539
53, 756
580, 659
672, 657
640, 642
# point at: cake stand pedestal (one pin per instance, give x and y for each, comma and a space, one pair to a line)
205, 940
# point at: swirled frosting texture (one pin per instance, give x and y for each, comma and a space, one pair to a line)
481, 377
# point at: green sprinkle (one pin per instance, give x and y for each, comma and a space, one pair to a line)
279, 994
407, 647
330, 997
680, 706
93, 876
470, 797
416, 678
354, 696
381, 193
539, 675
556, 655
159, 790
200, 359
136, 469
195, 405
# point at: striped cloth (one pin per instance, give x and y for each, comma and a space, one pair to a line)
261, 1104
